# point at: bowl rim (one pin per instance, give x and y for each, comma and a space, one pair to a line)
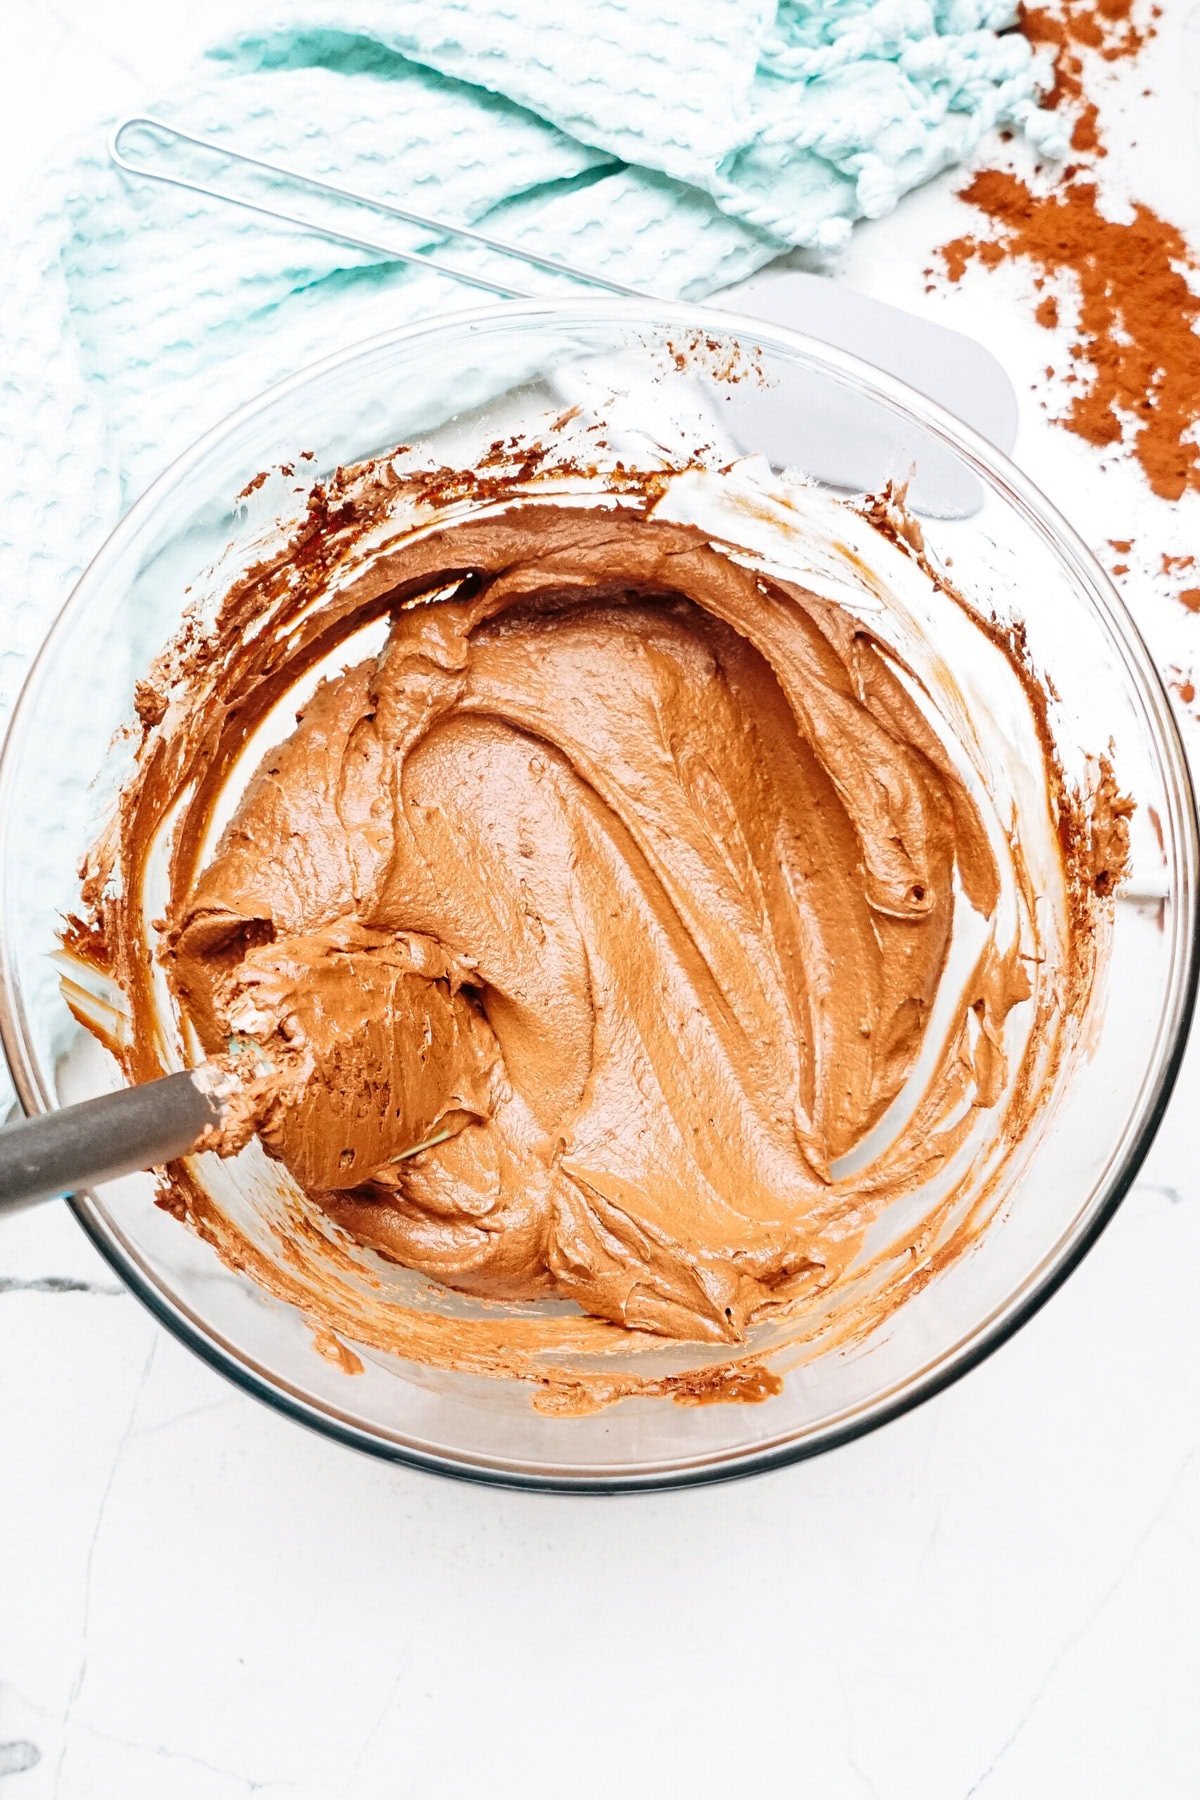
1000, 475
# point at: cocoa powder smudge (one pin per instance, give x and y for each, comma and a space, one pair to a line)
1135, 348
1137, 339
1107, 27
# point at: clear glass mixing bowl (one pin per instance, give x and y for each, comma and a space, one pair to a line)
654, 374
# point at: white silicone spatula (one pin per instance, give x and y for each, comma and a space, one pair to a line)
852, 443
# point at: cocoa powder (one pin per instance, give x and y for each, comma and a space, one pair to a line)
1107, 27
1136, 344
1122, 278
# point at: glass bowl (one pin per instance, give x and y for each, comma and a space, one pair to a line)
654, 373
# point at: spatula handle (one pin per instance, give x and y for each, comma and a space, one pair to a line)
97, 1140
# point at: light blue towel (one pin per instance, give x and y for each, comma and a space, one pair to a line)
676, 145
673, 144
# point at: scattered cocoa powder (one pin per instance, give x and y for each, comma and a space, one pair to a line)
1184, 685
1135, 350
1138, 316
1070, 27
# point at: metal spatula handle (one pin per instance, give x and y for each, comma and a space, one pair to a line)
170, 135
97, 1140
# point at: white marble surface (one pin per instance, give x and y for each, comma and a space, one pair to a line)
997, 1595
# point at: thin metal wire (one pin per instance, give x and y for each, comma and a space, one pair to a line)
281, 172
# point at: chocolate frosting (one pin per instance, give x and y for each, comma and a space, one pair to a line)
592, 922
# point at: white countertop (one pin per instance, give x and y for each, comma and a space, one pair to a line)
996, 1595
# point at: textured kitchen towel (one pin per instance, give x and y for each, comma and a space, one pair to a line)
673, 144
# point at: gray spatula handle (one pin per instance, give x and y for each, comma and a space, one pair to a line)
100, 1139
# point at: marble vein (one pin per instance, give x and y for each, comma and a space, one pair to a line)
1162, 1190
852, 1763
368, 1743
102, 1509
1082, 1630
57, 1284
251, 1784
189, 1412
